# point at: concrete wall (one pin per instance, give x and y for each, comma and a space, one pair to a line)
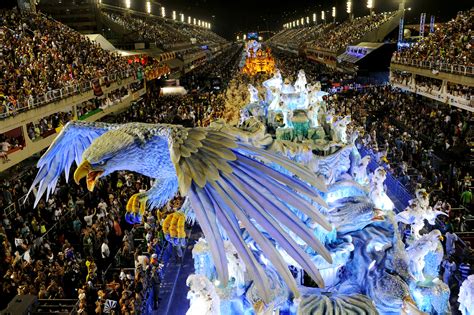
378, 35
450, 77
46, 110
441, 95
33, 147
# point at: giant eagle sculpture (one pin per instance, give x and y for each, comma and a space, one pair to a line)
230, 184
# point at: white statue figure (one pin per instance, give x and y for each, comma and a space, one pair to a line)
244, 115
276, 99
273, 85
377, 191
419, 249
253, 94
417, 212
340, 129
202, 295
292, 101
235, 265
300, 84
466, 296
317, 104
313, 114
287, 87
359, 172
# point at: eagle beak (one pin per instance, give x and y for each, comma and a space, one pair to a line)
85, 169
441, 238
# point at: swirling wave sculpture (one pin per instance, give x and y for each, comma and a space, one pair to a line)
228, 188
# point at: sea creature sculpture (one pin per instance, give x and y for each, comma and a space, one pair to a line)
466, 296
322, 304
353, 213
359, 171
417, 252
203, 296
225, 182
417, 212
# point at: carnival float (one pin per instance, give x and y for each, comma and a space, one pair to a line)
293, 222
257, 59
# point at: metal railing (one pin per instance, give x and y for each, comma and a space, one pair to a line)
62, 93
438, 66
9, 210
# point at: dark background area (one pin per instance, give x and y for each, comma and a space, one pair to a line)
232, 17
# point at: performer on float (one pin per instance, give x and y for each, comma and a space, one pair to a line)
300, 84
276, 82
253, 94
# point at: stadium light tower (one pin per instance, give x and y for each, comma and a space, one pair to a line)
307, 20
189, 19
148, 7
163, 12
302, 21
322, 16
182, 17
370, 5
194, 21
349, 9
128, 3
315, 18
334, 14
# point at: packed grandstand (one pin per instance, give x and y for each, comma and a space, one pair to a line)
78, 251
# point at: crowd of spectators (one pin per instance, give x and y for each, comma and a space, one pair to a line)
330, 36
77, 245
349, 31
450, 44
62, 248
220, 69
47, 125
151, 29
295, 37
156, 29
422, 143
202, 35
40, 55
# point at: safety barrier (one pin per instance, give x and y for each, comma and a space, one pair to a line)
438, 66
395, 188
64, 92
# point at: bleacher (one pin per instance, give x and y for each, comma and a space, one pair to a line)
332, 43
439, 66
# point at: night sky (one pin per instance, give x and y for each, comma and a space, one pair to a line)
231, 16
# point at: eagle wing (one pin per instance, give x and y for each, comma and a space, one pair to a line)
66, 148
228, 183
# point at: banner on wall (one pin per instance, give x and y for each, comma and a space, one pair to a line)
422, 24
432, 24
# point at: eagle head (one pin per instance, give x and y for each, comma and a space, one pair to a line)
113, 151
